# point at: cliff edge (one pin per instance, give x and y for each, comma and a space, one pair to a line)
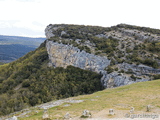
82, 46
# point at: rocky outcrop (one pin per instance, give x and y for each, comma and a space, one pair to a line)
48, 31
133, 34
139, 69
63, 55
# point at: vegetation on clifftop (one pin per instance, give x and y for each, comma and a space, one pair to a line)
94, 39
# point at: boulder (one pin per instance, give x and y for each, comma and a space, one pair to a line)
86, 114
45, 115
67, 116
111, 112
132, 110
148, 108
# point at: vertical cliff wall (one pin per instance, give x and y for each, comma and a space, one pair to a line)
62, 53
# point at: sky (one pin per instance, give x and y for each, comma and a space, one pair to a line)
30, 17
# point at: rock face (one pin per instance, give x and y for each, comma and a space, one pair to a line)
63, 55
139, 69
48, 32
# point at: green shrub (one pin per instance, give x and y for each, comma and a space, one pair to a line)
109, 69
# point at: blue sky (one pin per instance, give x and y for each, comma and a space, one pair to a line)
30, 17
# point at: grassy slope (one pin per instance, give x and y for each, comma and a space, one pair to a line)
138, 95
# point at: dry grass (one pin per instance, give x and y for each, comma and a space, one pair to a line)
137, 95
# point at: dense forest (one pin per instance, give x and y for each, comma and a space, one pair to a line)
12, 52
28, 82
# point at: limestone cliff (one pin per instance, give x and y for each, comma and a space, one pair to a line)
63, 48
61, 55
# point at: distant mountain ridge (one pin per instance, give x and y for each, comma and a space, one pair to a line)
14, 47
12, 52
21, 40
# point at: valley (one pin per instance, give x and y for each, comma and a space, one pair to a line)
14, 47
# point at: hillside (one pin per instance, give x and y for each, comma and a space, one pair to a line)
14, 47
12, 52
76, 60
123, 54
121, 99
28, 81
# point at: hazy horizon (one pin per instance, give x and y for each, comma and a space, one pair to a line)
29, 18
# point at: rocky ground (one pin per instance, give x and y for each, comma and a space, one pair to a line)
100, 115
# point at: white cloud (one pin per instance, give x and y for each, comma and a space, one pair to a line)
37, 14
